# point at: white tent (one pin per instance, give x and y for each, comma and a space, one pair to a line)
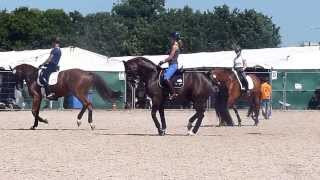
72, 57
276, 58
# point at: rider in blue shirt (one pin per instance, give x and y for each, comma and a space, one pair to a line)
176, 45
51, 65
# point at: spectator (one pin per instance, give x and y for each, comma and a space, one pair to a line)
314, 103
266, 91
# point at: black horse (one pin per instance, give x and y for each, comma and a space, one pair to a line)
197, 88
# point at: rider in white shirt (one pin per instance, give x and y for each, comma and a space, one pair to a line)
239, 65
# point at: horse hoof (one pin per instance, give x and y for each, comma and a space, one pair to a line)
162, 132
190, 133
33, 128
256, 124
92, 126
79, 123
239, 125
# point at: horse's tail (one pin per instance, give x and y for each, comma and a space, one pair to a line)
221, 106
104, 91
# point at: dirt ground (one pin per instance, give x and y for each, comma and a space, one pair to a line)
125, 146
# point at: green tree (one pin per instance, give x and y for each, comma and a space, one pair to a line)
106, 36
138, 27
4, 43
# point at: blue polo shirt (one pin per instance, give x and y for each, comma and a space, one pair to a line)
56, 55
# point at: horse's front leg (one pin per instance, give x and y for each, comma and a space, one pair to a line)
155, 119
35, 111
200, 109
163, 119
237, 114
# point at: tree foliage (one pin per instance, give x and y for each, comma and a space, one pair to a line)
137, 27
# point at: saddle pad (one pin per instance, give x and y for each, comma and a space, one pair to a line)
250, 82
53, 78
177, 80
248, 78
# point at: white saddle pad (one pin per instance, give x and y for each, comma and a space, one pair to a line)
250, 82
53, 78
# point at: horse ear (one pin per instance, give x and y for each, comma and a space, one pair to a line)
10, 68
124, 62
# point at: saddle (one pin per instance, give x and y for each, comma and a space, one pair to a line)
52, 80
241, 80
177, 79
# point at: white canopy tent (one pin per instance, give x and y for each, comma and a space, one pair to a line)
275, 58
72, 57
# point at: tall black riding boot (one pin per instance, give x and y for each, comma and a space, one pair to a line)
49, 95
46, 89
246, 86
171, 89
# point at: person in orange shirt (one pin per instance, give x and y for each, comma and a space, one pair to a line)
266, 91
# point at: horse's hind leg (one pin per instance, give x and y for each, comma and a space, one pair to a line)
256, 111
80, 115
85, 105
191, 120
90, 116
237, 114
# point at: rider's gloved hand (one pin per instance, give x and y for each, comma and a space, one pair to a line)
161, 62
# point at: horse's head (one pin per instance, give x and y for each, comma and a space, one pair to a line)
215, 77
220, 76
131, 70
139, 68
22, 73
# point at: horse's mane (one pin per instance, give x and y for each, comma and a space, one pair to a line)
223, 69
143, 59
149, 63
27, 65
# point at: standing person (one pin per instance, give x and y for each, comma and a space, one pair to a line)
266, 91
239, 65
176, 45
51, 65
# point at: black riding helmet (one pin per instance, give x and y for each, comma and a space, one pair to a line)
175, 35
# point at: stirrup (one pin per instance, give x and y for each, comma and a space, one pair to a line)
51, 96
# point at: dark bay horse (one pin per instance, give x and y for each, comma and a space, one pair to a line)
72, 81
226, 79
197, 88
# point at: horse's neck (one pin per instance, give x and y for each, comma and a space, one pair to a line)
148, 73
227, 77
150, 76
31, 76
